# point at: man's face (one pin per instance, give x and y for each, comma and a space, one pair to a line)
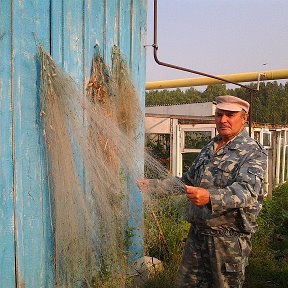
229, 123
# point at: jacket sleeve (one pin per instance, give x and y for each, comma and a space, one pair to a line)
246, 189
194, 174
188, 177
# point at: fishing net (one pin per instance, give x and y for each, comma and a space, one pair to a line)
92, 145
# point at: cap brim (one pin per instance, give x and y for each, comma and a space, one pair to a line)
228, 107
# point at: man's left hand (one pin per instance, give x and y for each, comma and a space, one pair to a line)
198, 196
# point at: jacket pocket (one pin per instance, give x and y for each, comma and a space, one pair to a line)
225, 173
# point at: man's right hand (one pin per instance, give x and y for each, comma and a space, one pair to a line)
197, 195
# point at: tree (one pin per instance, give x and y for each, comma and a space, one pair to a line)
212, 91
270, 103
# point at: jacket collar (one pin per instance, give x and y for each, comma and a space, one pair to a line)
235, 142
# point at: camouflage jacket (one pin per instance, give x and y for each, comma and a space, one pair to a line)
234, 178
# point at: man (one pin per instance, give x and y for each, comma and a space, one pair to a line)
224, 187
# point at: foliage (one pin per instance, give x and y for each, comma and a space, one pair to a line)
158, 145
169, 213
196, 139
270, 104
268, 263
269, 259
169, 97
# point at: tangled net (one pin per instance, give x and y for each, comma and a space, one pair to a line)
92, 146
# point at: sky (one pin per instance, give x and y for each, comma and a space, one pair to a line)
218, 37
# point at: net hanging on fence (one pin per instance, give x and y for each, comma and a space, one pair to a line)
91, 143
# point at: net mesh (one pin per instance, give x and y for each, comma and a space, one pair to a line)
92, 145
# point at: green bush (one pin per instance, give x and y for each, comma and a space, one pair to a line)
269, 258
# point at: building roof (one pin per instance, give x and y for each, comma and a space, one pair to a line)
191, 110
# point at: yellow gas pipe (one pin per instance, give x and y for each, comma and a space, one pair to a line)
202, 81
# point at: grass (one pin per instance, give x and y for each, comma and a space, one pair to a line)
268, 263
169, 213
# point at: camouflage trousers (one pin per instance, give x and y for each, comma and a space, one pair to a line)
214, 261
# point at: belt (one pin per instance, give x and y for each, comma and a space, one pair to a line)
222, 231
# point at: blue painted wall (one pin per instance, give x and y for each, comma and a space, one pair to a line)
69, 29
7, 256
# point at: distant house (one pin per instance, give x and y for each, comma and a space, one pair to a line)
188, 127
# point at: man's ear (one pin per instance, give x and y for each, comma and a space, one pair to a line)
245, 117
